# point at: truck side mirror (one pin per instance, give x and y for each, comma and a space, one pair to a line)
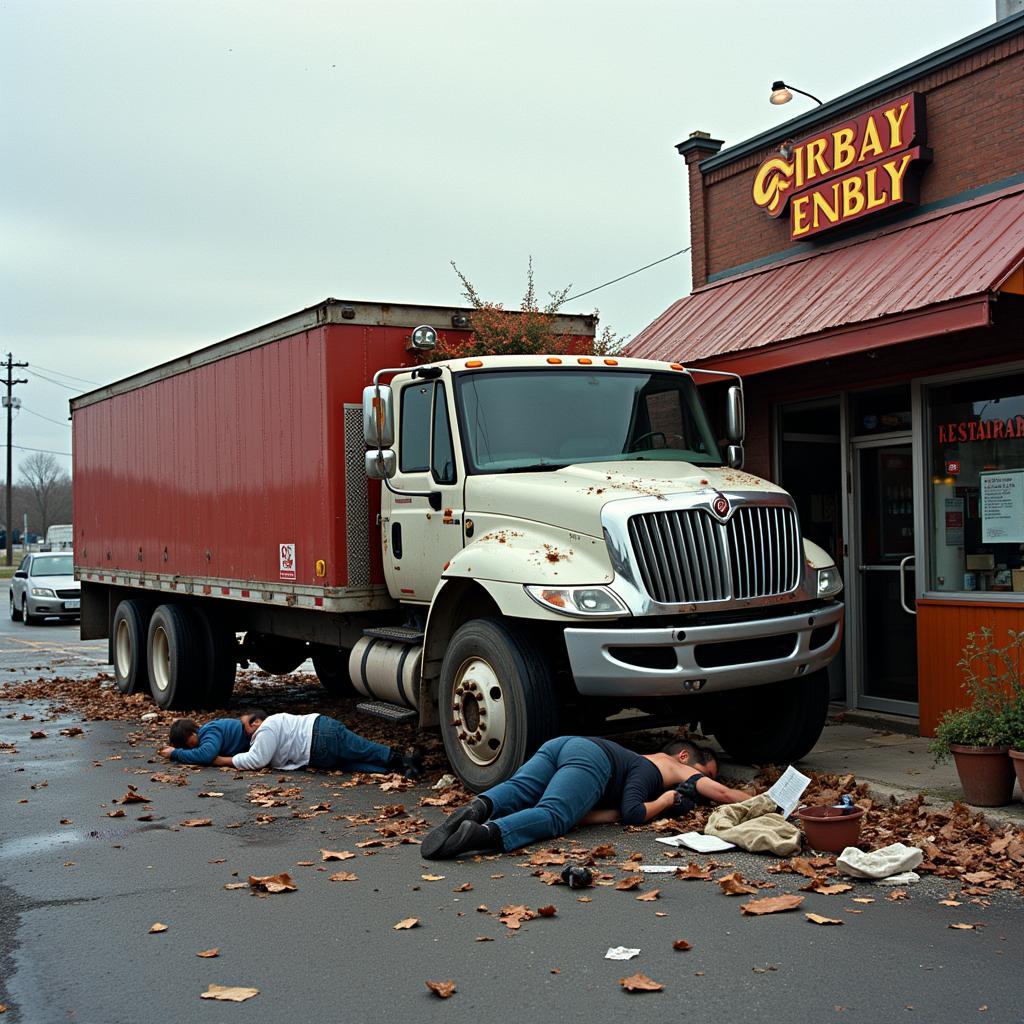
734, 455
378, 418
734, 426
381, 463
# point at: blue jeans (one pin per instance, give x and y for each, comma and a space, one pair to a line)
336, 746
551, 792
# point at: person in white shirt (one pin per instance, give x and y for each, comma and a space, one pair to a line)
288, 742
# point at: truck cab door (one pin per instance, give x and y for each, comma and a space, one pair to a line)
418, 541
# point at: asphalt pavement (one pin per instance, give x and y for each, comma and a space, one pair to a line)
80, 891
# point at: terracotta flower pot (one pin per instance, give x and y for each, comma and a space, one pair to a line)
1017, 758
831, 828
986, 774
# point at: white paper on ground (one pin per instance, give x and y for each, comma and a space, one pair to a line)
697, 841
788, 790
657, 869
621, 953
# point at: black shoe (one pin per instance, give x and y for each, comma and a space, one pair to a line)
408, 762
469, 838
476, 810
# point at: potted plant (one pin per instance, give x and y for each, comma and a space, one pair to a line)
978, 736
1015, 733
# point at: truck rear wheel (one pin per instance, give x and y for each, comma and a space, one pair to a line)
776, 724
176, 657
331, 667
277, 655
129, 634
496, 702
222, 661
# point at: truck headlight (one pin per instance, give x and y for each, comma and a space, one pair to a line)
829, 582
598, 601
42, 592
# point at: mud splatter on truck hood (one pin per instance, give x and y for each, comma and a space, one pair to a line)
572, 498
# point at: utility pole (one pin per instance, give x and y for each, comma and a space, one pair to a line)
11, 365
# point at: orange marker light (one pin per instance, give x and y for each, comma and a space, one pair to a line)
472, 364
554, 359
611, 362
675, 366
585, 360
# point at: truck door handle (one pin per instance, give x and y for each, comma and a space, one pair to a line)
903, 585
396, 540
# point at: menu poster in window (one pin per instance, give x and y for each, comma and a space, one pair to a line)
1002, 507
954, 513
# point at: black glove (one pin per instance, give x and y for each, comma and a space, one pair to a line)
682, 803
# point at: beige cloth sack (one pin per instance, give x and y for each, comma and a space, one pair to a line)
755, 825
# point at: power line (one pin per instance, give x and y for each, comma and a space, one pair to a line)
42, 417
52, 380
45, 451
61, 373
616, 280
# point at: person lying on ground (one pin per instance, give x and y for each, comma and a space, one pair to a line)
287, 742
578, 779
189, 743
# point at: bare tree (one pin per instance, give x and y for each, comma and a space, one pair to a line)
47, 491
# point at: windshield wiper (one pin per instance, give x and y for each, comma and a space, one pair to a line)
535, 467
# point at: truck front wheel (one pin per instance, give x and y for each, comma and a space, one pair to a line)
776, 724
496, 702
176, 657
129, 633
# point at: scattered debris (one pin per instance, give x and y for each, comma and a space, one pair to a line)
442, 989
640, 983
229, 993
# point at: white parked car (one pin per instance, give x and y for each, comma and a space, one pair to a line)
44, 587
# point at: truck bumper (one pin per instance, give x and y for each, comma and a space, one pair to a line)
675, 661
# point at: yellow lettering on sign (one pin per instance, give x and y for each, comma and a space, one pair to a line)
853, 196
895, 118
820, 206
771, 181
870, 145
897, 169
799, 207
815, 161
843, 151
875, 199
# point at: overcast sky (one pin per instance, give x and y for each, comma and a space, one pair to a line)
172, 173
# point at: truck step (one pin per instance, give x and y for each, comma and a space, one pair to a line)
397, 634
390, 712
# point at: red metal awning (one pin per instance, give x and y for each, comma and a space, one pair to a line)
912, 281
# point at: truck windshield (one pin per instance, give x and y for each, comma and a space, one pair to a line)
520, 420
59, 565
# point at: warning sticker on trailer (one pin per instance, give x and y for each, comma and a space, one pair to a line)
287, 558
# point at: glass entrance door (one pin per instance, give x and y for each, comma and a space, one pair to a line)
885, 627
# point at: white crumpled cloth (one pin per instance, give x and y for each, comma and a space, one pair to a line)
889, 860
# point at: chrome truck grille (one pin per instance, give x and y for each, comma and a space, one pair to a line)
689, 557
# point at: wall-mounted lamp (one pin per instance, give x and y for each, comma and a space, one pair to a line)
460, 320
786, 149
782, 93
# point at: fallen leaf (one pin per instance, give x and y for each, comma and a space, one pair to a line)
237, 885
343, 876
272, 883
442, 989
584, 899
694, 872
640, 983
897, 894
682, 944
513, 916
819, 885
134, 797
66, 821
206, 954
735, 885
818, 919
772, 905
158, 927
803, 867
629, 883
149, 817
37, 735
432, 878
336, 855
465, 887
209, 794
961, 927
304, 864
950, 903
862, 899
196, 822
547, 858
229, 993
71, 731
115, 814
976, 877
548, 911
406, 923
484, 938
649, 897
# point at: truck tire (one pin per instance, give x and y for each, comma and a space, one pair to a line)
779, 724
496, 700
331, 667
15, 609
277, 655
129, 643
176, 657
221, 661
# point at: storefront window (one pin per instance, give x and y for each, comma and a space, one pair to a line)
975, 461
880, 411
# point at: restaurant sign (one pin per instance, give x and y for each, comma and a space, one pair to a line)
860, 167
